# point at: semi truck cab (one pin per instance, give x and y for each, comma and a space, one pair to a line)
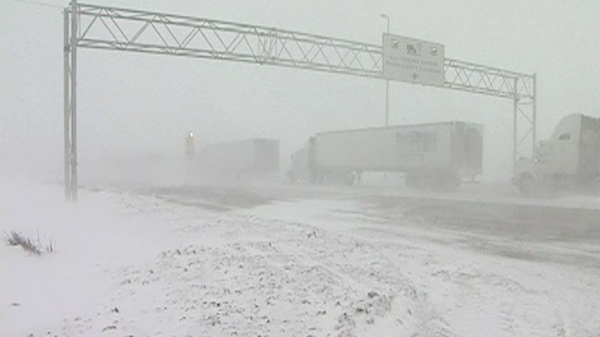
569, 159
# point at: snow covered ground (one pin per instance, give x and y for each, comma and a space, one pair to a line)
128, 264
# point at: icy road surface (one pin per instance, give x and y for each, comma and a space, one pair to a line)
214, 261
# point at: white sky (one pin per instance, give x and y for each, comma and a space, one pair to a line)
136, 102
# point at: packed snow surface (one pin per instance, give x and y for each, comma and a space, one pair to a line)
140, 264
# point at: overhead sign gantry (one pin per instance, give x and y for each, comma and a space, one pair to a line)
414, 61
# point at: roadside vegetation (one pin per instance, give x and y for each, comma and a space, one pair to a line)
35, 247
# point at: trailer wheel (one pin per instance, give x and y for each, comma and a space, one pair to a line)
449, 181
411, 180
596, 186
348, 178
526, 184
420, 182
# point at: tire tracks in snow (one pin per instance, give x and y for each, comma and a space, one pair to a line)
361, 265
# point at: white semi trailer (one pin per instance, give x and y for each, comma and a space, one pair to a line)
257, 156
437, 155
570, 159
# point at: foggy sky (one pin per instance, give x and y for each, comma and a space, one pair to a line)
142, 103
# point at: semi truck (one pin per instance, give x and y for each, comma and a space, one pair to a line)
258, 156
436, 155
570, 159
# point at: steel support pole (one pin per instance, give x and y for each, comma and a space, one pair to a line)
387, 85
534, 117
515, 117
73, 100
387, 101
66, 106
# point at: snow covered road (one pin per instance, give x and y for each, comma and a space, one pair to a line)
233, 264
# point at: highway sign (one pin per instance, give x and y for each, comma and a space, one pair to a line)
411, 60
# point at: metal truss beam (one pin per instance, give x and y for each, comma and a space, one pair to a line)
470, 77
140, 31
157, 33
118, 29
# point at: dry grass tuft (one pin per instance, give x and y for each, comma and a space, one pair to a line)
14, 238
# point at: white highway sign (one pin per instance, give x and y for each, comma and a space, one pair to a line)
410, 60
